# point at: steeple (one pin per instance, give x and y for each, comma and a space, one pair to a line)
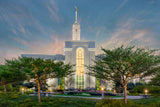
76, 15
76, 28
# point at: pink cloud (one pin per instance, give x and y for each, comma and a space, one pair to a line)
40, 47
126, 35
56, 46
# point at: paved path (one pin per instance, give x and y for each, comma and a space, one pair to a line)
128, 97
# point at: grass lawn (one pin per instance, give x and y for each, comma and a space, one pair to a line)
86, 95
58, 101
147, 101
29, 101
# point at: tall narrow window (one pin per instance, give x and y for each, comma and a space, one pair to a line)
80, 68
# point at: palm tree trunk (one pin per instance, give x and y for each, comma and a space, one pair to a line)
39, 89
125, 94
5, 90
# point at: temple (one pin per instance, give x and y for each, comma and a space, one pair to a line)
77, 52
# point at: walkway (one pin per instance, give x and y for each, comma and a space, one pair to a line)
128, 97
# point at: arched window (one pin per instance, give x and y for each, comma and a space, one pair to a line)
80, 68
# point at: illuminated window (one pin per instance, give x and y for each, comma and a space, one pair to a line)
80, 68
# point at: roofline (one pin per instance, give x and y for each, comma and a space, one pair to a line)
80, 41
42, 54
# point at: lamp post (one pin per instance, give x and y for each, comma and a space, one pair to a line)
145, 91
22, 91
102, 93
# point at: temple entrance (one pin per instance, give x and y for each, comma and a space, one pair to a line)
80, 68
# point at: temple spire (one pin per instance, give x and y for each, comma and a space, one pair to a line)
76, 28
76, 14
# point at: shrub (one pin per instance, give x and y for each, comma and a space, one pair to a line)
14, 97
138, 83
95, 94
155, 104
28, 100
28, 104
138, 89
130, 86
152, 89
44, 99
51, 99
29, 92
114, 103
11, 96
42, 104
7, 103
69, 102
62, 100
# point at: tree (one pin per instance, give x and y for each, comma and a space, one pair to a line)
40, 70
98, 84
29, 85
69, 82
130, 86
124, 64
9, 75
155, 81
118, 86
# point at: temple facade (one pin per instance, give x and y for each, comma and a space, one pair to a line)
77, 52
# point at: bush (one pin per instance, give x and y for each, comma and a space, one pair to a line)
44, 99
95, 94
138, 89
152, 89
138, 83
28, 104
114, 103
69, 102
7, 103
28, 100
11, 96
29, 92
62, 100
14, 97
130, 86
42, 104
155, 104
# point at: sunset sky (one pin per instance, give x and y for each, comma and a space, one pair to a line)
42, 26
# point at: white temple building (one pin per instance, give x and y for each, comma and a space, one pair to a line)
77, 52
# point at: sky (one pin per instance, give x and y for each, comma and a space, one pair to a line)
43, 26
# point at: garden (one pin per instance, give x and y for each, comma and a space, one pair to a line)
23, 81
18, 100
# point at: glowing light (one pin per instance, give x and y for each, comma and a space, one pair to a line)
146, 91
22, 90
102, 88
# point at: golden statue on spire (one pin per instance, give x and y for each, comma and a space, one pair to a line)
76, 15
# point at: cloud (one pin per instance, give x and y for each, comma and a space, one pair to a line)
13, 14
24, 26
55, 46
126, 35
19, 19
120, 6
53, 9
8, 54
